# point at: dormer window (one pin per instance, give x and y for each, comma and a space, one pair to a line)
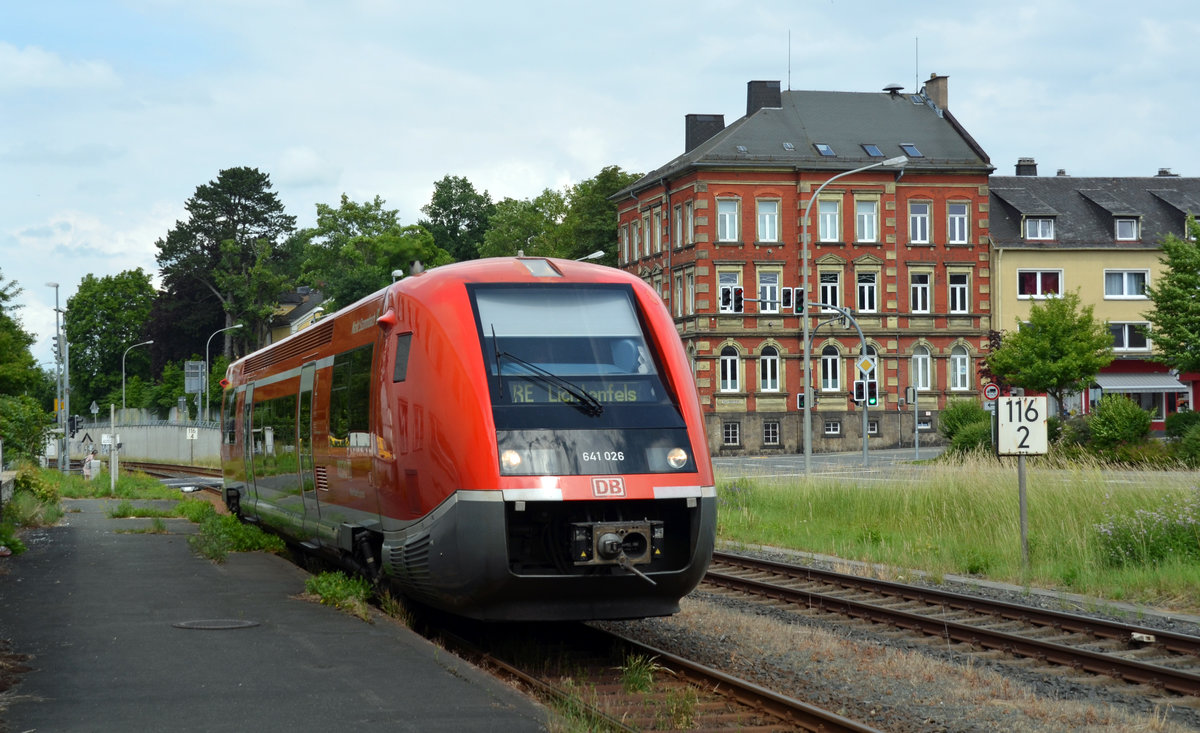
1127, 230
1039, 228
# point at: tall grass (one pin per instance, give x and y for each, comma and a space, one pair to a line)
962, 518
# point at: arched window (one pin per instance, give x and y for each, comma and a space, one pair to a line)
960, 368
831, 379
768, 370
921, 368
729, 370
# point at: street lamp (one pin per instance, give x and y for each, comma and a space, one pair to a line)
208, 369
897, 162
593, 256
123, 374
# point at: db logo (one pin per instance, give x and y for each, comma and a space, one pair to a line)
608, 486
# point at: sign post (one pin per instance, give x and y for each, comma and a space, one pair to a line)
1020, 432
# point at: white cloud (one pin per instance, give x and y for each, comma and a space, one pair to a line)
32, 67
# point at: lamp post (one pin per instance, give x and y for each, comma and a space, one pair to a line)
897, 162
123, 373
60, 412
208, 369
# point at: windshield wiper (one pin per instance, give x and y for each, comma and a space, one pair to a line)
585, 401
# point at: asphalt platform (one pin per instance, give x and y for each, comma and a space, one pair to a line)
135, 632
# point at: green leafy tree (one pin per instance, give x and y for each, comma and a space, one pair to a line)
530, 226
458, 217
231, 243
591, 219
24, 426
353, 249
1059, 350
1176, 313
104, 317
18, 374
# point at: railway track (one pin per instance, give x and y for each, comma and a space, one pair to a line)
588, 671
1139, 655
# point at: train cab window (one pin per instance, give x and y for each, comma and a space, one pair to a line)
403, 344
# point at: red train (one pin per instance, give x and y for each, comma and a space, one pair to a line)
505, 439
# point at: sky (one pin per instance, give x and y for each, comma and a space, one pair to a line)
113, 112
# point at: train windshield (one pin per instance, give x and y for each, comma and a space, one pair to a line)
578, 347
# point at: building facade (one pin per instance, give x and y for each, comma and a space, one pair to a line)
1100, 237
720, 233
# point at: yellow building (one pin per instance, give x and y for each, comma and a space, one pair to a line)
1099, 237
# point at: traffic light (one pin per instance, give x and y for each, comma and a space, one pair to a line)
860, 390
726, 299
57, 349
73, 424
800, 401
738, 304
872, 393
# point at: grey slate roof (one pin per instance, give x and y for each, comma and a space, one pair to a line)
1085, 209
843, 120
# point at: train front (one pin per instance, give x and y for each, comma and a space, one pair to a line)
606, 507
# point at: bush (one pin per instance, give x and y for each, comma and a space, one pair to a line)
976, 436
1179, 423
1118, 419
1076, 431
33, 481
958, 414
1188, 448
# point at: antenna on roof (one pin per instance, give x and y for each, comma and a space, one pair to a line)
789, 59
893, 88
916, 63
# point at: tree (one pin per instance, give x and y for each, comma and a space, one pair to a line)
1059, 350
458, 217
591, 219
18, 372
530, 226
230, 243
1176, 313
354, 249
104, 317
24, 426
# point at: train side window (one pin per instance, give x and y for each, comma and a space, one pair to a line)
350, 393
403, 343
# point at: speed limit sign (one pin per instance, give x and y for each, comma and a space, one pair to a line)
1021, 426
991, 391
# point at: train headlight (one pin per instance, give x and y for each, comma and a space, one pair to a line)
510, 460
677, 458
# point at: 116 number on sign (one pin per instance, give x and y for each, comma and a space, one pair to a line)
1021, 426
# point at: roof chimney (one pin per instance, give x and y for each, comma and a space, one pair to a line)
1026, 167
938, 90
1166, 173
699, 128
761, 94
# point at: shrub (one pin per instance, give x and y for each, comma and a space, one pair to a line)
1076, 431
1188, 448
1118, 419
32, 480
971, 437
957, 415
1178, 423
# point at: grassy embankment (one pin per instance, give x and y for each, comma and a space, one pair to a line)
1131, 536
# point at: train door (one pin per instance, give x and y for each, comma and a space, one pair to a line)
250, 498
308, 484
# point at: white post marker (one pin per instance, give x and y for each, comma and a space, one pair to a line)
1021, 431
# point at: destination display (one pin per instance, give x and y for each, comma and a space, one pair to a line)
523, 392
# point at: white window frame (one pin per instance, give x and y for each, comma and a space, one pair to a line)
1122, 330
1126, 229
868, 292
922, 368
829, 219
958, 222
918, 222
1040, 290
1039, 228
959, 293
636, 226
625, 243
1128, 284
770, 432
866, 219
689, 221
768, 220
657, 218
768, 369
727, 220
829, 290
730, 370
727, 280
768, 291
731, 433
960, 369
920, 290
833, 427
831, 369
677, 305
690, 279
677, 226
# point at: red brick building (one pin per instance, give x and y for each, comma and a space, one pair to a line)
718, 232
